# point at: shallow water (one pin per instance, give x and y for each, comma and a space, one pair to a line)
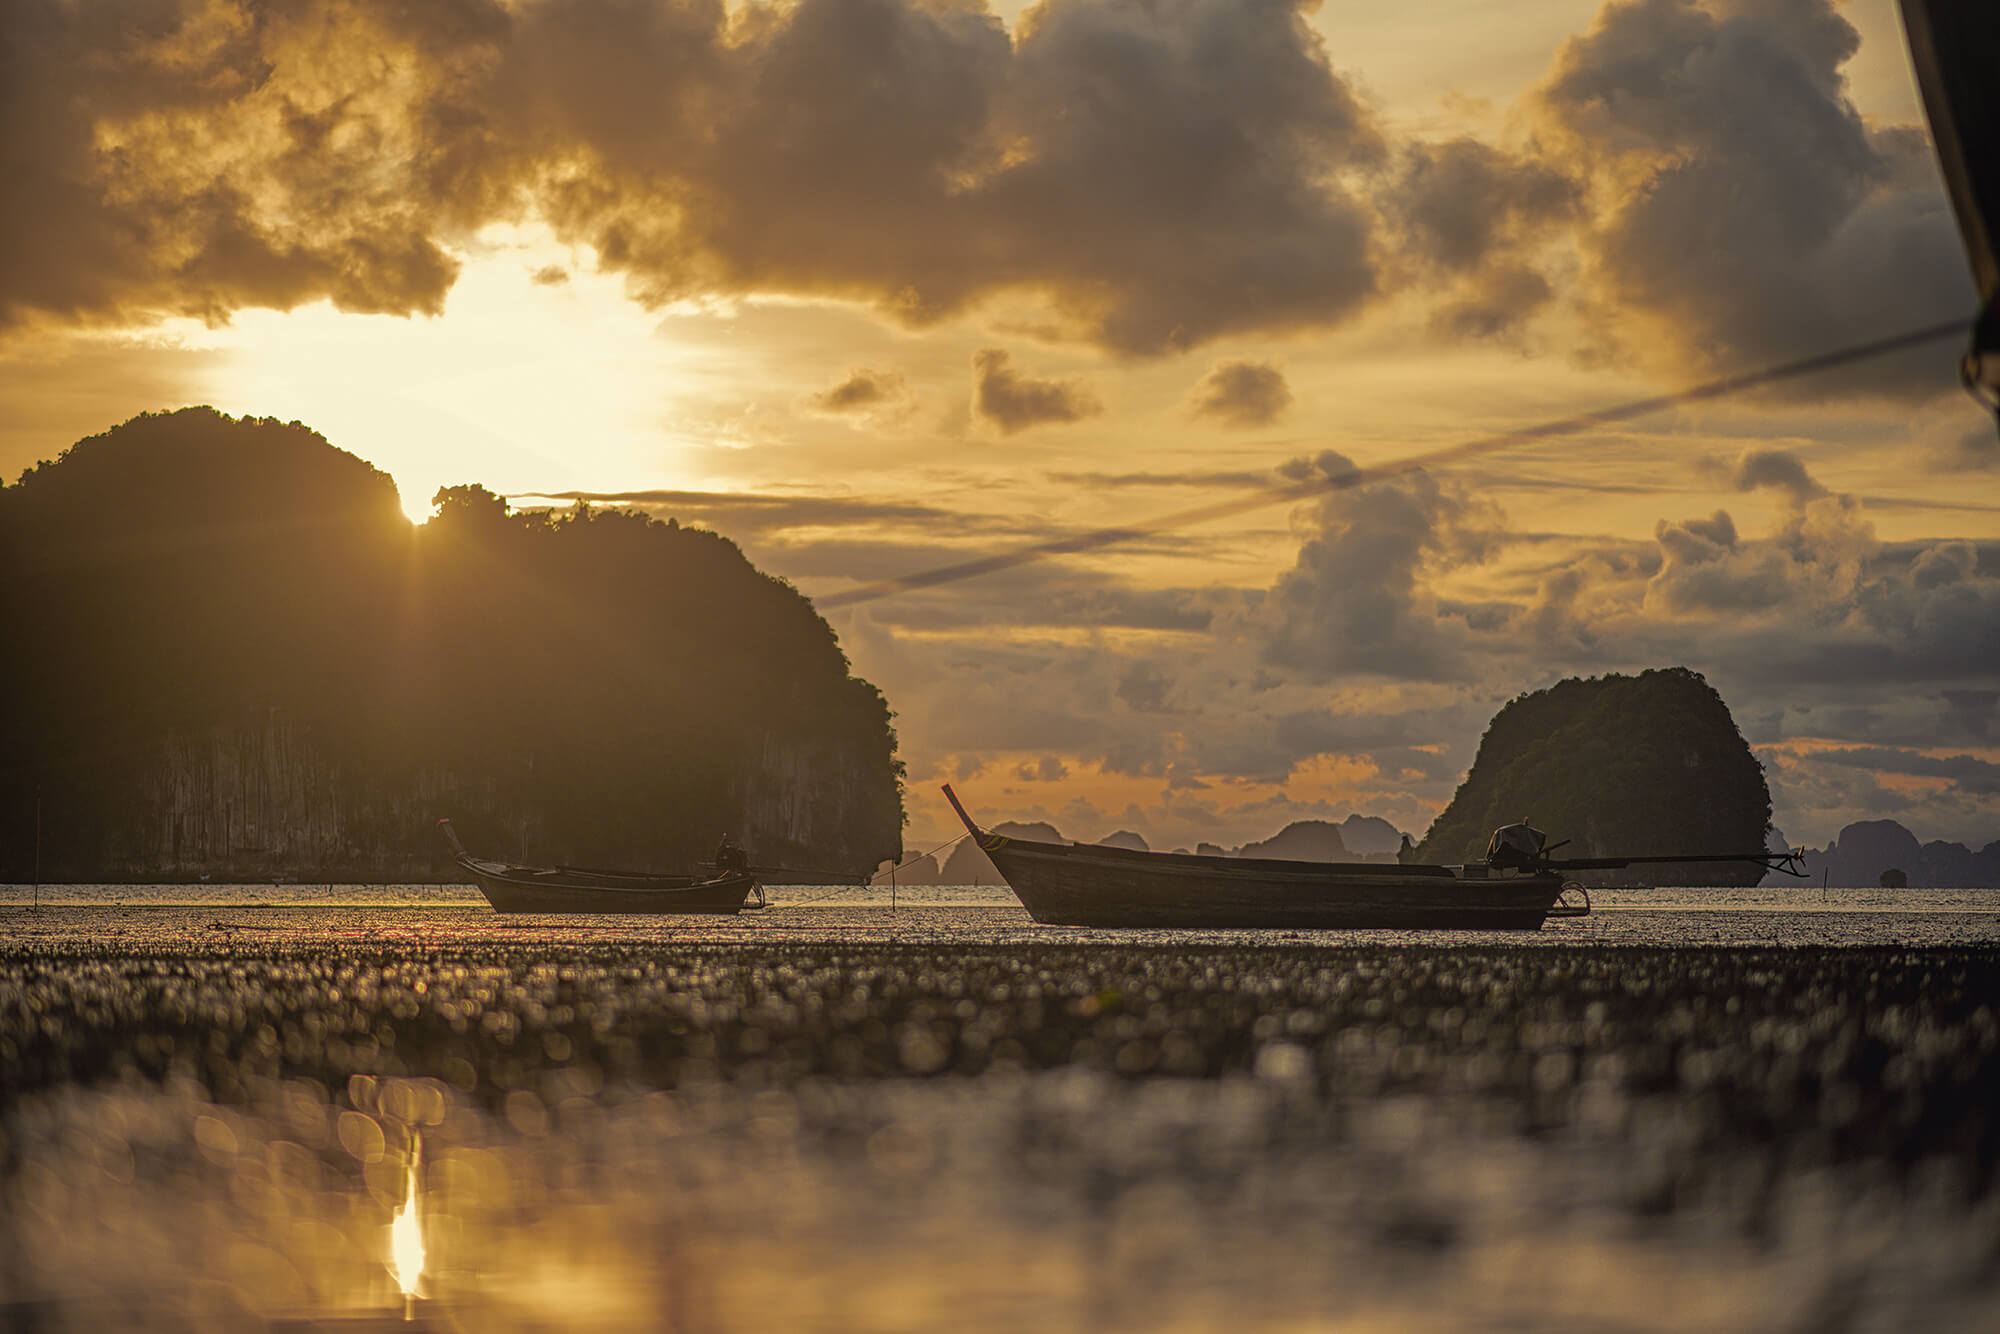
1775, 898
438, 914
1723, 1110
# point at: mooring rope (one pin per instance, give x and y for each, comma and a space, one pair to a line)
920, 856
807, 903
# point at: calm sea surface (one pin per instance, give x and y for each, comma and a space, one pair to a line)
974, 914
1726, 1110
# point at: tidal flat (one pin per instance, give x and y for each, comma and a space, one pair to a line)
213, 1129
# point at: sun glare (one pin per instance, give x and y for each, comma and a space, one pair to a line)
522, 383
406, 1241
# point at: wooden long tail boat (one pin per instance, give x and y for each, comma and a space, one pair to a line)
576, 889
1516, 888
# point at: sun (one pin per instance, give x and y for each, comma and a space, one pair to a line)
417, 508
518, 384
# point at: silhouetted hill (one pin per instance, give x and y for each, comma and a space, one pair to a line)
1867, 848
1862, 851
242, 661
1955, 866
1618, 765
1302, 841
1039, 831
1370, 836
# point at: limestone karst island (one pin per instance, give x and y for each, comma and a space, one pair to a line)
233, 657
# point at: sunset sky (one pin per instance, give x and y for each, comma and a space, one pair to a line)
873, 286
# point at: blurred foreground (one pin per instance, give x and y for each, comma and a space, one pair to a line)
215, 1132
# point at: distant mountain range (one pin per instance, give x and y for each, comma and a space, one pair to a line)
1857, 858
1358, 838
1864, 850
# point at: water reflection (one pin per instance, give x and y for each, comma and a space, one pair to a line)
893, 1137
406, 1238
1058, 1201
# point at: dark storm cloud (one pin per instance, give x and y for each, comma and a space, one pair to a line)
1700, 575
1976, 450
1975, 776
1174, 609
1144, 688
1779, 469
1743, 204
1267, 747
1176, 161
1913, 503
1492, 303
1242, 394
1014, 402
1816, 560
1048, 769
1831, 612
1460, 201
1812, 628
1358, 599
192, 160
1817, 791
1827, 795
1471, 214
1971, 713
1162, 172
861, 390
1717, 531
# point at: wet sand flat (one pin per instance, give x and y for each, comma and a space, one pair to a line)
210, 1119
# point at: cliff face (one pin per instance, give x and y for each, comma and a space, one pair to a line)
247, 665
259, 799
1618, 765
819, 805
240, 803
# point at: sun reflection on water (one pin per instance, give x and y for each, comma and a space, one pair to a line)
1259, 1139
406, 1238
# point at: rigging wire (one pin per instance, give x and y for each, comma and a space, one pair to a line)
1362, 476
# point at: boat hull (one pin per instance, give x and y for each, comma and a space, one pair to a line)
576, 889
553, 893
1092, 885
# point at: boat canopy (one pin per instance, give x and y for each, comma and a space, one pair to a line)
1954, 49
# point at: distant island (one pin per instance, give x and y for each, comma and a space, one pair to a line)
1651, 764
1646, 765
1358, 838
1863, 852
232, 657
